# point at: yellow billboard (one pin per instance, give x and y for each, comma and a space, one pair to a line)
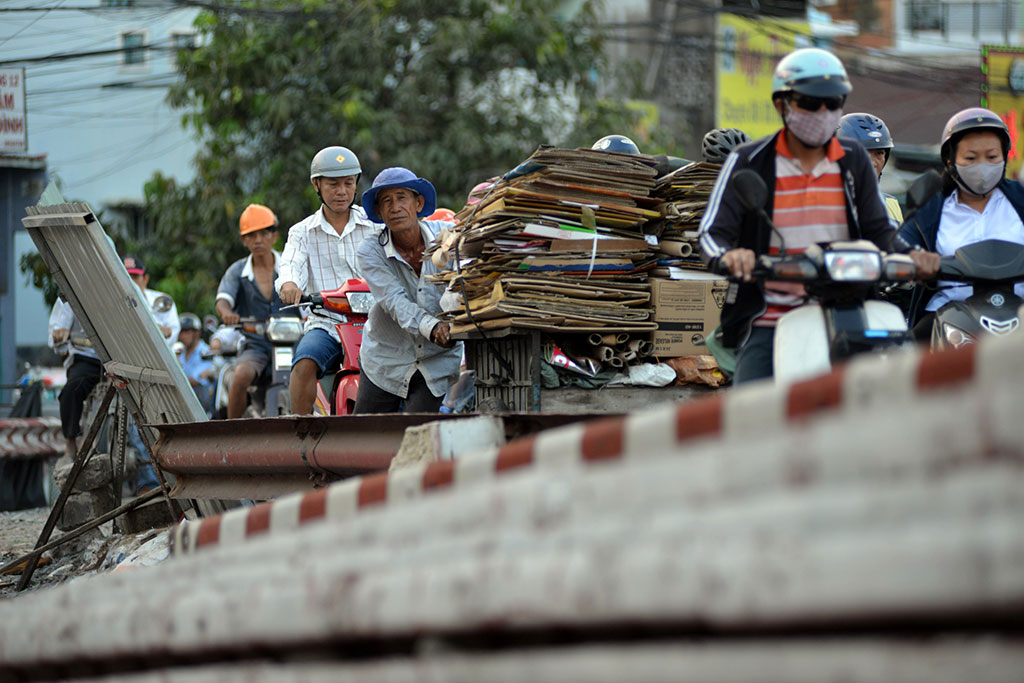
1003, 93
749, 49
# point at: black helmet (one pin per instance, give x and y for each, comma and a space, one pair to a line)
616, 143
970, 121
189, 321
718, 142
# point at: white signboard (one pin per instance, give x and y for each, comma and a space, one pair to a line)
13, 125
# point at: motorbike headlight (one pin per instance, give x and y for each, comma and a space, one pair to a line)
853, 266
360, 302
956, 337
284, 330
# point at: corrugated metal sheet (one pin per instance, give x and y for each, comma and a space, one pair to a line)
113, 312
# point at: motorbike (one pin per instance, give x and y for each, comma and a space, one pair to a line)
352, 301
268, 395
840, 317
992, 267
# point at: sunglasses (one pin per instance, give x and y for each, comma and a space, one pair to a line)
808, 103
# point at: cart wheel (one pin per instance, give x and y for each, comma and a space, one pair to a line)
492, 404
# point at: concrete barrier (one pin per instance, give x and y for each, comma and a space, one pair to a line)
882, 505
30, 437
868, 383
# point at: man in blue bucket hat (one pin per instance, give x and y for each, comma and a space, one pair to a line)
407, 353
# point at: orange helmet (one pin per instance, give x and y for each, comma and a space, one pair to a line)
442, 215
256, 217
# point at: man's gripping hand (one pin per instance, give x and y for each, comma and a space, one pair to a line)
739, 263
927, 262
290, 293
441, 335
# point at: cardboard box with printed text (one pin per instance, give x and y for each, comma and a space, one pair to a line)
687, 309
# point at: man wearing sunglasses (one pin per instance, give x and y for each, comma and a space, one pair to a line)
821, 189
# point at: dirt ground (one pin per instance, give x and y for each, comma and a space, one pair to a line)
20, 530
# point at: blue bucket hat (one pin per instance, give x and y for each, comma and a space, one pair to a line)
399, 177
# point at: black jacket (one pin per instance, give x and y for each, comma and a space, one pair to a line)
726, 225
922, 231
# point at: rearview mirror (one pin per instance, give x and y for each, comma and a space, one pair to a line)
927, 185
162, 304
750, 189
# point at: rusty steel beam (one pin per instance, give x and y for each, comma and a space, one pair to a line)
265, 458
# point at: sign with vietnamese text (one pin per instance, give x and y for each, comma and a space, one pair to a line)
13, 127
748, 51
1003, 93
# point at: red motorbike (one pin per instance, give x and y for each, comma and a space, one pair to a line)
353, 300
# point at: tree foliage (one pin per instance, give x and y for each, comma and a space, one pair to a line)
456, 90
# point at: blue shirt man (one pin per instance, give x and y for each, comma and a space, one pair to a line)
199, 371
407, 353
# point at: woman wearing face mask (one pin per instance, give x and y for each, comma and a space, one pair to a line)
977, 203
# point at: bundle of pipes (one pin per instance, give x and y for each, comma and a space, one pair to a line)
619, 349
811, 540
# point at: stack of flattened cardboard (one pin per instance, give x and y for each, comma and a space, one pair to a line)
557, 245
684, 195
687, 300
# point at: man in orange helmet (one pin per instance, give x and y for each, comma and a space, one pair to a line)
247, 290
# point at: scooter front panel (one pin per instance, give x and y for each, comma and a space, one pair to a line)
801, 345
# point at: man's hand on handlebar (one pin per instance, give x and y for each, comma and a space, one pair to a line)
231, 318
290, 293
60, 335
739, 263
927, 263
441, 335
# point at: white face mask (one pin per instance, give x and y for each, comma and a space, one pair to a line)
813, 128
980, 179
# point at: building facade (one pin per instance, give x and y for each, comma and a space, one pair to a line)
96, 80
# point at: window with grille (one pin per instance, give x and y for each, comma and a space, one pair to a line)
134, 45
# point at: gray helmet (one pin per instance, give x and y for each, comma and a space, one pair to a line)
718, 142
334, 162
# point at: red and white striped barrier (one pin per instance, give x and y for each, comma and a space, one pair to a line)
896, 512
30, 437
741, 413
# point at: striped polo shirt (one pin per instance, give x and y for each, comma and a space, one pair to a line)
809, 208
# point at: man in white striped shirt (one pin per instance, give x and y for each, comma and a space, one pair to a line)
320, 255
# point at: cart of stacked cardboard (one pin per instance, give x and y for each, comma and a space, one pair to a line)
576, 283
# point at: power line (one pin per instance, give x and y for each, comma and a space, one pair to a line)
26, 27
64, 56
